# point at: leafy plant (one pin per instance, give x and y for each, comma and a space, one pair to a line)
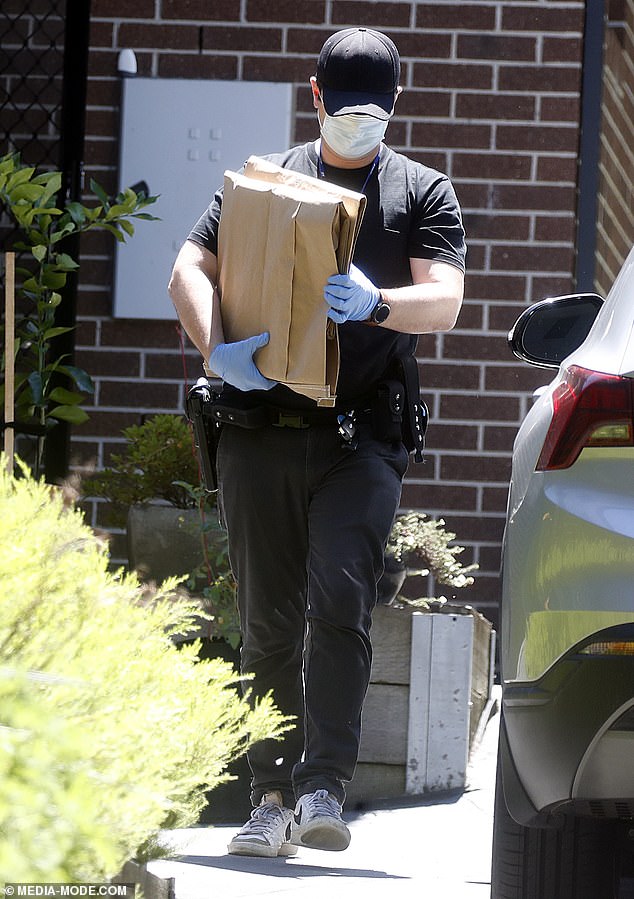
419, 545
30, 201
109, 732
157, 462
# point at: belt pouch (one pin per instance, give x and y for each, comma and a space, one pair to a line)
387, 411
415, 415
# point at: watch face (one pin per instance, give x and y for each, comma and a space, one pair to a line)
380, 313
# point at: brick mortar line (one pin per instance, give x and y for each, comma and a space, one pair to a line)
286, 26
477, 366
516, 273
301, 82
518, 242
409, 59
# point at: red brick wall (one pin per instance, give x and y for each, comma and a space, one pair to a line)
491, 97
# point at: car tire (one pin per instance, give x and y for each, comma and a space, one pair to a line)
576, 861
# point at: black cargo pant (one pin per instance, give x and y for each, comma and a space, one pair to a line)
308, 521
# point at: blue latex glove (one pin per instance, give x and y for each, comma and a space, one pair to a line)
233, 362
351, 297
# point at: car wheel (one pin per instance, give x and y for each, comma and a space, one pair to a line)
576, 861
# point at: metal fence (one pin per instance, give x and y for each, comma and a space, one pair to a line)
32, 79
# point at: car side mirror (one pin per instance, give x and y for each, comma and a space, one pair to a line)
548, 331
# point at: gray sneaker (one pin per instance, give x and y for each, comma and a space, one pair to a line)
317, 823
266, 833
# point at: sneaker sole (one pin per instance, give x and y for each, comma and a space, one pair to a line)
323, 835
260, 850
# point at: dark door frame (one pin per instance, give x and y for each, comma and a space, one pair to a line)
589, 144
72, 134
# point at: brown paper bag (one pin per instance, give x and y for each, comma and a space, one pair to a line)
281, 236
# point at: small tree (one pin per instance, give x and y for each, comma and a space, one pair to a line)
29, 200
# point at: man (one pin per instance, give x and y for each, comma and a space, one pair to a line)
308, 512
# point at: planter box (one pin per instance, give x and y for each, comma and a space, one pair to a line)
163, 541
431, 681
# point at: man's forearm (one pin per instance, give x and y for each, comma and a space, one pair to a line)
421, 308
192, 296
429, 305
196, 301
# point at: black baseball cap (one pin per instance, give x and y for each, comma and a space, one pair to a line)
358, 71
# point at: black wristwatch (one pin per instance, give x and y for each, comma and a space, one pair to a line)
380, 312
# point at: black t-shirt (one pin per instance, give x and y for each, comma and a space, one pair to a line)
411, 211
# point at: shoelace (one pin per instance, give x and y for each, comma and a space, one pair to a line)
321, 803
262, 817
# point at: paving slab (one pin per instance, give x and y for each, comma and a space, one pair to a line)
435, 847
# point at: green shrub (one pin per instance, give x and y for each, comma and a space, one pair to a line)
157, 462
108, 732
48, 830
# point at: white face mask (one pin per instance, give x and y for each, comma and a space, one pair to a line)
352, 136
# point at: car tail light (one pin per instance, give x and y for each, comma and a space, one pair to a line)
589, 409
609, 648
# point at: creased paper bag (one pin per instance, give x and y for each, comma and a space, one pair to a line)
281, 236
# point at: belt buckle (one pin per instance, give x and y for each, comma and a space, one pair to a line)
284, 420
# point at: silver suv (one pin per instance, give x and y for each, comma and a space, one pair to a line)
564, 809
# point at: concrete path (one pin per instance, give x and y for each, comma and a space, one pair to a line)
434, 849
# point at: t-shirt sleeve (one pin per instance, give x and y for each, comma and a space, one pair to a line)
205, 231
438, 232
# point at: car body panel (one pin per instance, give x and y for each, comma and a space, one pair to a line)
609, 346
572, 576
568, 581
601, 773
550, 728
587, 510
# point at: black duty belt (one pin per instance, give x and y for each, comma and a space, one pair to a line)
308, 418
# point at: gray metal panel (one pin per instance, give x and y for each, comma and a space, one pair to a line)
179, 136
